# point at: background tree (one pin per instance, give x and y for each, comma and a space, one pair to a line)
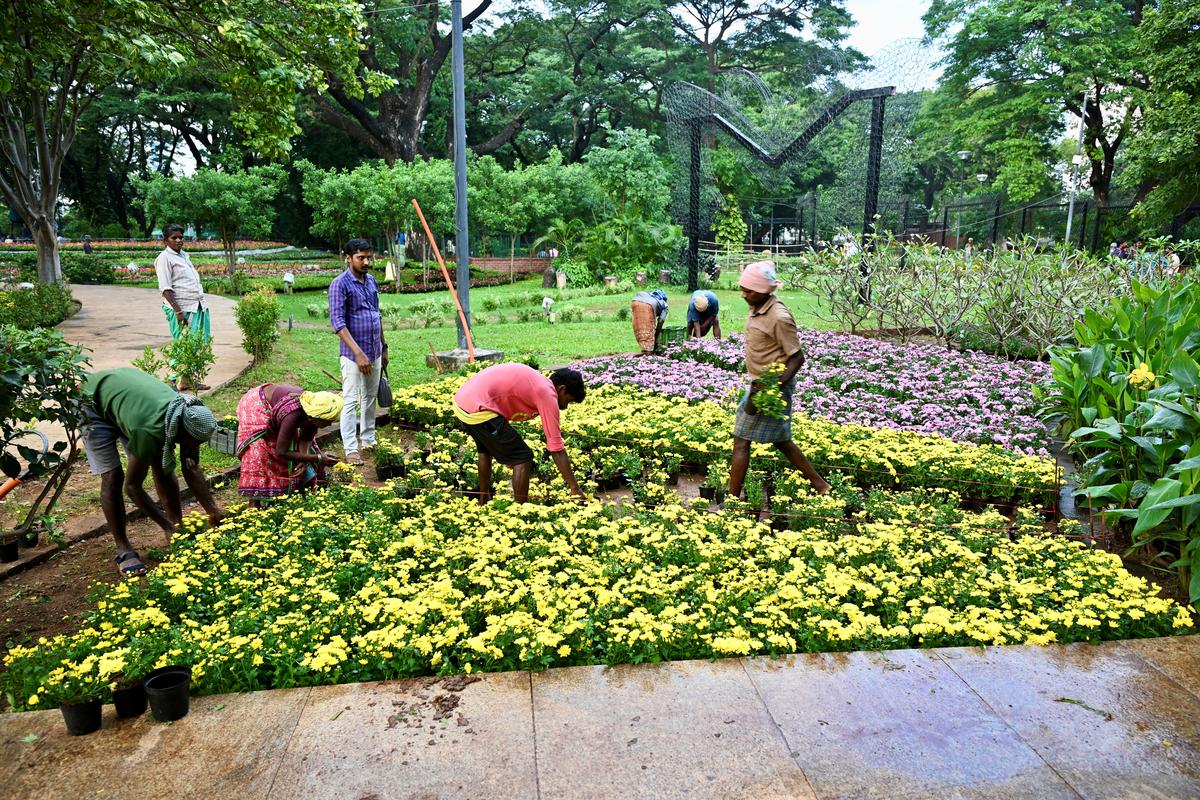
230, 203
1165, 152
1016, 68
784, 38
57, 58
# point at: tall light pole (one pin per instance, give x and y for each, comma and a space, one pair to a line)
963, 155
1076, 161
462, 244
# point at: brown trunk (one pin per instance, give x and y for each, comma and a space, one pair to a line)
512, 254
49, 267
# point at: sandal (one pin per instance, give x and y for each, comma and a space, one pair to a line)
130, 564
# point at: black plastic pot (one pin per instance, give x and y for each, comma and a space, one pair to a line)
131, 701
8, 549
707, 492
30, 538
82, 718
167, 692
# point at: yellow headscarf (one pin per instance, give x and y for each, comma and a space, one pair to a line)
325, 406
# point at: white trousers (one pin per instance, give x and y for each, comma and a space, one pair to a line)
359, 392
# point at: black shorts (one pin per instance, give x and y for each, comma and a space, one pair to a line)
501, 440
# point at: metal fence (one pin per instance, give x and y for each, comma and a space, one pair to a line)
980, 220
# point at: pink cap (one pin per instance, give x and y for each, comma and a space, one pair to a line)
759, 277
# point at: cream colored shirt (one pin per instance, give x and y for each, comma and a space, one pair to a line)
771, 336
175, 272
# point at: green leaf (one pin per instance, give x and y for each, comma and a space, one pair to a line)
1092, 359
1168, 419
1150, 513
1185, 371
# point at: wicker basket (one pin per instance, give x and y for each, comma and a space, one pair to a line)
224, 440
672, 334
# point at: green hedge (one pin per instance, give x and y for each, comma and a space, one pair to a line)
76, 267
41, 306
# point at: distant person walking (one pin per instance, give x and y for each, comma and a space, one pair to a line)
771, 338
702, 315
183, 294
87, 245
649, 311
355, 318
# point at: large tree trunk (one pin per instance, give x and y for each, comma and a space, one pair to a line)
49, 266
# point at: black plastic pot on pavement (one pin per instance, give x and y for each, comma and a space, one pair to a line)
82, 718
131, 701
167, 691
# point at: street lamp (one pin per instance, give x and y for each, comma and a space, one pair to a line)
963, 155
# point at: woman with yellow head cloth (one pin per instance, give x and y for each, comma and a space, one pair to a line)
277, 425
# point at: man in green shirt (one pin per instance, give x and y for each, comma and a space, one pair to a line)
150, 419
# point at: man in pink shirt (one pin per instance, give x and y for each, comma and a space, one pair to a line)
498, 395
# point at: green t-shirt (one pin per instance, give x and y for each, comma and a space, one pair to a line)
136, 403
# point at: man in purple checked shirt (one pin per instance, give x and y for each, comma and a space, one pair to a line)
354, 316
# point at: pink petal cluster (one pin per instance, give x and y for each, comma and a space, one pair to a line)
965, 396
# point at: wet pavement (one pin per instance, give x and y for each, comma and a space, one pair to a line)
1117, 720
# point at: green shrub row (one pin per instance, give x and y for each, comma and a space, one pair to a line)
40, 306
76, 267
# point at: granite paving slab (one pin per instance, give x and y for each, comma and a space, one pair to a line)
228, 746
1111, 727
685, 729
422, 738
896, 724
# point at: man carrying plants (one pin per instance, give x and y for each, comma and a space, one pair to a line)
490, 400
773, 356
183, 295
150, 419
354, 317
702, 315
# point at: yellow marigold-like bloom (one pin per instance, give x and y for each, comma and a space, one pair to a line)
1142, 377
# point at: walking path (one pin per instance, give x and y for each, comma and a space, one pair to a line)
116, 323
1117, 720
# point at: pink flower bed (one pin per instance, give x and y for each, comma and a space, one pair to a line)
965, 396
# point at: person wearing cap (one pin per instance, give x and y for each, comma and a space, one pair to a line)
277, 429
151, 420
493, 397
702, 315
771, 338
355, 319
649, 312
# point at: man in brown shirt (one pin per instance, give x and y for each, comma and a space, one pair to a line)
771, 338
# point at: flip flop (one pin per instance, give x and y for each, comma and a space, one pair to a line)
130, 564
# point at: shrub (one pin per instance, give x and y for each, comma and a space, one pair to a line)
42, 305
258, 316
87, 268
188, 358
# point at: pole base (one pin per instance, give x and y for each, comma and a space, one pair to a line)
456, 359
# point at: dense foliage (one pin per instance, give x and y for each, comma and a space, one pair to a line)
43, 305
1128, 392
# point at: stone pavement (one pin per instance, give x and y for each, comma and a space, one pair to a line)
1118, 720
116, 323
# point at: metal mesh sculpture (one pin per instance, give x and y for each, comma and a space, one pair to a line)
772, 134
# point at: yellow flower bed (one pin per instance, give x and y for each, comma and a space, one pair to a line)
700, 433
354, 584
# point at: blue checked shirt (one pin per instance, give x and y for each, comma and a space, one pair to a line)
354, 305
